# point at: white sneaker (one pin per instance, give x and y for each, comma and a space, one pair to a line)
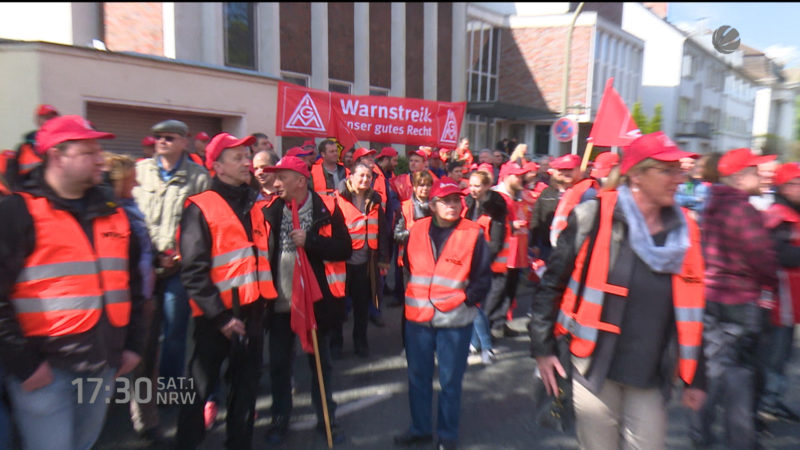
488, 357
472, 350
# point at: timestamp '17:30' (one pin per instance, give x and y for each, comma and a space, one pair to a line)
142, 391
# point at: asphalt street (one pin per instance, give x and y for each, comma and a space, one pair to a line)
372, 394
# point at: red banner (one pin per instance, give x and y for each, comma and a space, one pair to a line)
307, 112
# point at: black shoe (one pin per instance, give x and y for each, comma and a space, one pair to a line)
407, 439
377, 321
337, 435
446, 445
779, 411
278, 430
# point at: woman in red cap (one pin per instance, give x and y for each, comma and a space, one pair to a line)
624, 292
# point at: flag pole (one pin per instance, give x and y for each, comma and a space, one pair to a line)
322, 397
586, 154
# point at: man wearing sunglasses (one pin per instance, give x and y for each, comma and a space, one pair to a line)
165, 182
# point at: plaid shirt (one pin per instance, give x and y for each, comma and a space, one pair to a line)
739, 255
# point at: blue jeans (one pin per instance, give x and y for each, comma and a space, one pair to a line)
451, 346
481, 337
175, 319
52, 417
776, 352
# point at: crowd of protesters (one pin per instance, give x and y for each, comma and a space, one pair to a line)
650, 268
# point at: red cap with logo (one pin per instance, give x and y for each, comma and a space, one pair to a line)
419, 153
566, 162
532, 166
299, 152
309, 143
292, 163
512, 168
362, 152
46, 110
786, 172
220, 143
654, 145
740, 158
202, 136
603, 164
387, 152
66, 128
445, 187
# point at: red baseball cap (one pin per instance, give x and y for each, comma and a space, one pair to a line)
786, 173
532, 166
654, 145
445, 187
740, 158
220, 143
299, 152
309, 143
486, 167
290, 163
362, 152
46, 110
387, 152
512, 168
419, 153
603, 164
202, 136
66, 128
148, 140
566, 162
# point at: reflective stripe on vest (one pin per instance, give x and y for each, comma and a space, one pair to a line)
568, 201
335, 271
687, 295
320, 180
236, 262
500, 263
407, 210
67, 281
438, 283
362, 227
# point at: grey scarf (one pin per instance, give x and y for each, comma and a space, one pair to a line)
666, 259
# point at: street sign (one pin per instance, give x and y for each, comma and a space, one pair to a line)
564, 129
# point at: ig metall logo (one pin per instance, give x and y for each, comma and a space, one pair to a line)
726, 39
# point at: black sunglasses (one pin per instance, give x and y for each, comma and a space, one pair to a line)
166, 138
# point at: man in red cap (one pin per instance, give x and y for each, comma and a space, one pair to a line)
27, 157
741, 265
327, 172
228, 293
148, 147
305, 154
324, 236
416, 163
783, 221
443, 288
463, 152
387, 161
564, 172
70, 291
199, 155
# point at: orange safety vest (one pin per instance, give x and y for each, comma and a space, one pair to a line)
439, 283
320, 181
379, 185
67, 281
335, 271
362, 227
196, 158
688, 296
236, 262
786, 311
568, 202
500, 263
27, 159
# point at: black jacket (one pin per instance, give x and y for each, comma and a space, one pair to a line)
89, 352
542, 218
329, 311
496, 208
195, 245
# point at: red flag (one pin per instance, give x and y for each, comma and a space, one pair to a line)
305, 291
613, 125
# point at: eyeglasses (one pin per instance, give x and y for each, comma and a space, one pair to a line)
166, 138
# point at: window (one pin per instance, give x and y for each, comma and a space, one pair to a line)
683, 109
299, 79
240, 26
484, 57
342, 87
687, 70
383, 92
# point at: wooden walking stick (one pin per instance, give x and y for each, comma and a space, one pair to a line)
322, 390
586, 154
